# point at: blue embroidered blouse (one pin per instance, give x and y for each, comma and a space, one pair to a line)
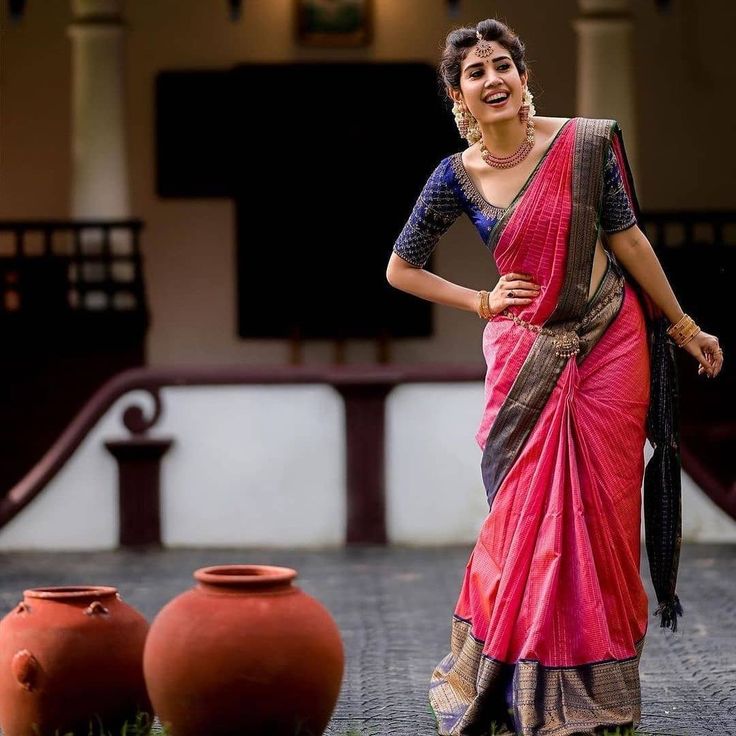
449, 192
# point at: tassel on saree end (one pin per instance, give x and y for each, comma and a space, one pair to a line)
668, 612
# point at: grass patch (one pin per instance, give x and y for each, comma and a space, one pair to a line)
496, 731
143, 725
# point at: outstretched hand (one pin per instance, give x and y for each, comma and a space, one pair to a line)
706, 350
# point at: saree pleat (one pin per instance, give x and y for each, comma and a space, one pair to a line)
550, 621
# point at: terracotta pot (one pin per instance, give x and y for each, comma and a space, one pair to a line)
244, 652
70, 657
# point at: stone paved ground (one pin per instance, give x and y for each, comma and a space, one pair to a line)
393, 606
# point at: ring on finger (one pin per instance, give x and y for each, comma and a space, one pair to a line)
511, 294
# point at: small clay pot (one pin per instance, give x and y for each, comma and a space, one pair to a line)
71, 662
244, 652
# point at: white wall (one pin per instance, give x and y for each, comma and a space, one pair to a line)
435, 493
265, 466
251, 466
255, 465
702, 520
434, 490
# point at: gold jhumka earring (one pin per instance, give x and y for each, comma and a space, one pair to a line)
527, 106
466, 123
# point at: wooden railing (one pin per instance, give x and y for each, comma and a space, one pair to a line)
363, 388
698, 250
73, 313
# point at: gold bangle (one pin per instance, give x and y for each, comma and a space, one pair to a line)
487, 313
675, 326
683, 330
483, 308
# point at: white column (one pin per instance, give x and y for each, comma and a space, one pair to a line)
99, 187
605, 74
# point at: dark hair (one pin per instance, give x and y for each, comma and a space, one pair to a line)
459, 42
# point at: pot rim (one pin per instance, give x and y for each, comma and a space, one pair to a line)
248, 576
71, 592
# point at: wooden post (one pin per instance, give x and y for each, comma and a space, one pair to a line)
365, 407
139, 465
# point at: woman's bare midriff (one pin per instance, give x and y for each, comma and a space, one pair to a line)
600, 261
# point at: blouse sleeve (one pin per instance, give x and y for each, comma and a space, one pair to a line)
434, 211
617, 213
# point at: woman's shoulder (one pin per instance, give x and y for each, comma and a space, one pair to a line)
607, 126
444, 170
441, 180
549, 125
449, 160
599, 132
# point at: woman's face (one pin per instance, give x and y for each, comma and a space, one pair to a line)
492, 77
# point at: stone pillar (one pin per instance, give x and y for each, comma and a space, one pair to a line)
99, 187
605, 72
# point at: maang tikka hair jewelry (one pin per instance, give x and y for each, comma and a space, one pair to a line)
483, 48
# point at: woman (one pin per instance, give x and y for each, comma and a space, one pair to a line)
550, 622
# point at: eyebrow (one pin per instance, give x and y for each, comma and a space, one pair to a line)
480, 63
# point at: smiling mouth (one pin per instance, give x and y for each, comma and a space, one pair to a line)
497, 99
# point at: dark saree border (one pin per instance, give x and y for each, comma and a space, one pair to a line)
537, 378
471, 690
508, 213
541, 369
543, 365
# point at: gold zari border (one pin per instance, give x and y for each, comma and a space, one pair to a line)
467, 693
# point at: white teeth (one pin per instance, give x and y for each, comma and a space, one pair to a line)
497, 96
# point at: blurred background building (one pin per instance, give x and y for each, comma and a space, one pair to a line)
207, 192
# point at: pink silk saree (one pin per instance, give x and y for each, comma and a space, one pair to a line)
550, 622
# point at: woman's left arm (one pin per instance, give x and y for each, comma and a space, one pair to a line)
634, 251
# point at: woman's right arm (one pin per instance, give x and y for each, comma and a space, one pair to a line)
436, 208
426, 285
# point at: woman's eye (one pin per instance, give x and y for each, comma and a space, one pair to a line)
503, 67
475, 74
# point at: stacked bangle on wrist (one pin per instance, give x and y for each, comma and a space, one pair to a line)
683, 330
484, 307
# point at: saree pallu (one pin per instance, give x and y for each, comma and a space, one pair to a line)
550, 622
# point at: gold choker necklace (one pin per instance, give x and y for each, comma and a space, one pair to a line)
506, 162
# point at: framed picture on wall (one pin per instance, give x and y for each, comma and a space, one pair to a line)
333, 22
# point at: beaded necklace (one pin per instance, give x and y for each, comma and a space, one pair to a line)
506, 162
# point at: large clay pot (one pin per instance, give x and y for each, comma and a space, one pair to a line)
244, 652
71, 657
